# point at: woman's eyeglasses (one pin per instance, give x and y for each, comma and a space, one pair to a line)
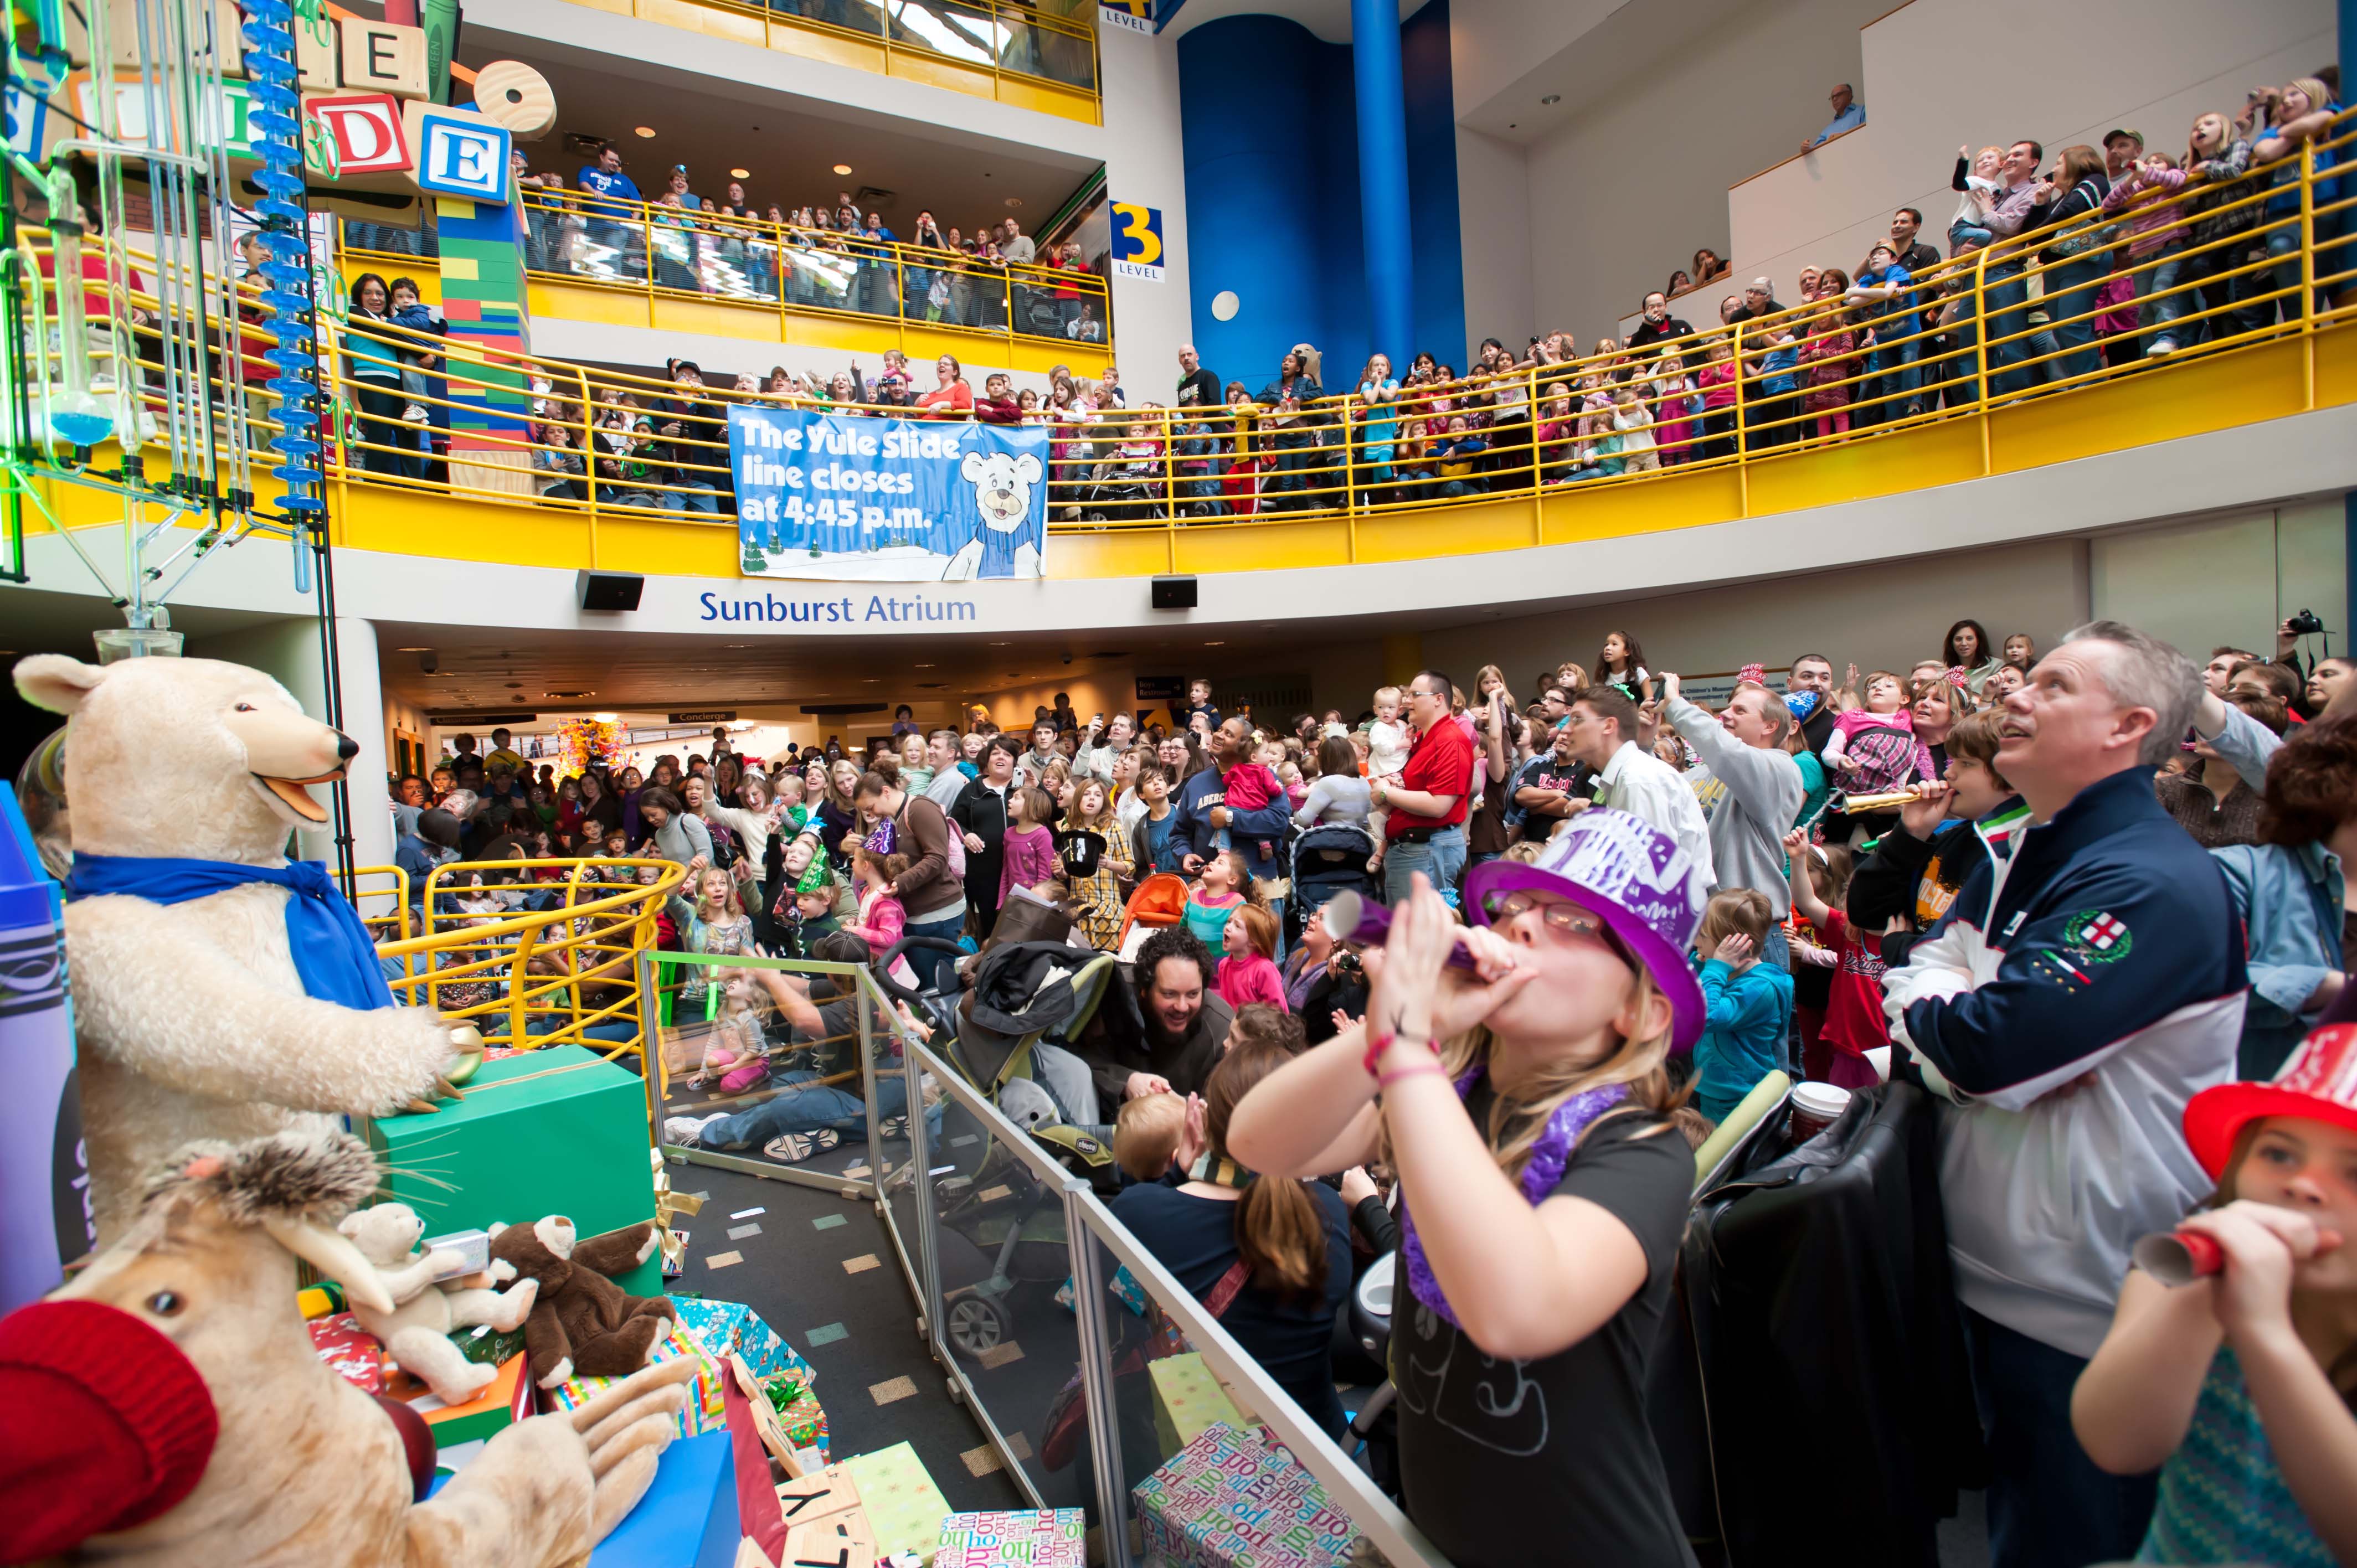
1569, 920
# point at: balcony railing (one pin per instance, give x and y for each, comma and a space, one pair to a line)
1009, 50
2261, 264
665, 252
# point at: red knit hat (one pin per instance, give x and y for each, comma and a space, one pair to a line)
2318, 1082
104, 1425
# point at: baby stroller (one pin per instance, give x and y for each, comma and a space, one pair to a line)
1127, 491
1328, 859
1159, 900
1003, 1027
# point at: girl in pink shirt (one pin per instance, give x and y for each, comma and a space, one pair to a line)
1030, 844
1249, 972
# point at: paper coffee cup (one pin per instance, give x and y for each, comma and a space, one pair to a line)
1815, 1107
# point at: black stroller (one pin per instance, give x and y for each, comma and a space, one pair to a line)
1329, 859
1001, 1027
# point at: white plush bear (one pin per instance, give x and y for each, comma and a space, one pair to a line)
192, 1017
418, 1330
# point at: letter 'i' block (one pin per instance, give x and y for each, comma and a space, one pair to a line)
383, 57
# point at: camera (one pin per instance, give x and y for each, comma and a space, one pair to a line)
2304, 624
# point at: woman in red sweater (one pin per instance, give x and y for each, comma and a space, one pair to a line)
952, 399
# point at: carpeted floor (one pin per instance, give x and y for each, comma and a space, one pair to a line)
821, 1269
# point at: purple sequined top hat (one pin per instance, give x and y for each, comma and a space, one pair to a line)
1621, 868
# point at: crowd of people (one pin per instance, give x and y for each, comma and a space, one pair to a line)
2054, 273
2090, 895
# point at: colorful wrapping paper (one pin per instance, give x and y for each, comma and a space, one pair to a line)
805, 1423
703, 1412
904, 1508
352, 1352
1014, 1538
505, 1401
727, 1328
1230, 1500
1188, 1401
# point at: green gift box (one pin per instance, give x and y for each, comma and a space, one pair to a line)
548, 1132
904, 1508
1188, 1401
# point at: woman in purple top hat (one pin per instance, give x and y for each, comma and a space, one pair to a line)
1524, 1102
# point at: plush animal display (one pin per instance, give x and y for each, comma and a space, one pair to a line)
305, 1471
584, 1324
417, 1329
219, 991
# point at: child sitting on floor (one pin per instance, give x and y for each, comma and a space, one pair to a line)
736, 1052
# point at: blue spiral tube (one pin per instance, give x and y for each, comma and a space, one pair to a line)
288, 310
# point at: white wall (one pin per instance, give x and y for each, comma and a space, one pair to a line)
1145, 164
1493, 222
2227, 579
1629, 189
2151, 65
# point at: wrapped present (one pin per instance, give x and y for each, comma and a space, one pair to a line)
825, 1520
1006, 1538
688, 1517
703, 1412
1125, 1288
904, 1507
487, 1346
1189, 1400
725, 1328
805, 1423
352, 1352
505, 1400
322, 1300
557, 1131
670, 1206
1229, 1499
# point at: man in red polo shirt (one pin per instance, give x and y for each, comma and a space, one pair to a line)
1426, 830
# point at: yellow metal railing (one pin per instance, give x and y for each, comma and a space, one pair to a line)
659, 250
563, 974
1016, 52
2267, 257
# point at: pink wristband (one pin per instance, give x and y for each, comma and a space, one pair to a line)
1387, 1079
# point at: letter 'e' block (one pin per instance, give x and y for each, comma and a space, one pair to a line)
384, 57
458, 151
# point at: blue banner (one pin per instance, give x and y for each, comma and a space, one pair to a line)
854, 499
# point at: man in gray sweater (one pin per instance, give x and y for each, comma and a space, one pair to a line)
1757, 792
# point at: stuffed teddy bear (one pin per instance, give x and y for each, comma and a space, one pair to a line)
272, 1460
219, 991
584, 1324
418, 1330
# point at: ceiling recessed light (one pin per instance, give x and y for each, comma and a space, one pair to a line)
1550, 99
412, 650
740, 174
646, 131
924, 666
843, 168
1014, 201
999, 645
1220, 644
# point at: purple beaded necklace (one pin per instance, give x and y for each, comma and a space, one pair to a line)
1543, 1169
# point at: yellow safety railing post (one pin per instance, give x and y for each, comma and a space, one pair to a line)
1981, 353
1538, 479
2307, 274
588, 458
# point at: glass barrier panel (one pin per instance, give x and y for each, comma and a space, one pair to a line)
758, 1065
1209, 1441
852, 16
1003, 1311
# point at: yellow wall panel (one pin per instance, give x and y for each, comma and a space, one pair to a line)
2240, 386
1025, 92
1854, 470
934, 71
1603, 509
580, 302
2336, 368
833, 49
755, 323
706, 19
1124, 552
1242, 546
1469, 529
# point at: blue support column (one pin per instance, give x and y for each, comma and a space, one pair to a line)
1382, 176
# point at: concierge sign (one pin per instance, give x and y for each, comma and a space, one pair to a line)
887, 500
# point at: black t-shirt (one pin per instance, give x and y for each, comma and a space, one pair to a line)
1817, 729
1543, 772
1195, 1238
1199, 390
1510, 1463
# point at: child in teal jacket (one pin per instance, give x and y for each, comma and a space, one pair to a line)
1749, 1003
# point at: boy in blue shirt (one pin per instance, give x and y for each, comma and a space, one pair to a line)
1749, 1003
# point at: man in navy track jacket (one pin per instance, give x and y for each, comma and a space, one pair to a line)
2086, 982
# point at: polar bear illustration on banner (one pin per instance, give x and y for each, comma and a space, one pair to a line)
1003, 484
